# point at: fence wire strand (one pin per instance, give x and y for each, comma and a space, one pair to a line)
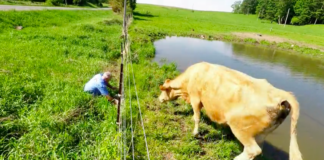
139, 108
125, 111
128, 69
131, 114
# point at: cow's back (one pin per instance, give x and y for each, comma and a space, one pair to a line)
223, 91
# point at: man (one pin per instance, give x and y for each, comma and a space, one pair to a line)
98, 86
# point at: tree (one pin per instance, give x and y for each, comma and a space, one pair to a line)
282, 8
300, 11
303, 12
271, 10
261, 8
249, 6
118, 5
237, 6
319, 14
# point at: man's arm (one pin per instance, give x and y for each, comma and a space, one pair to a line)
103, 90
110, 86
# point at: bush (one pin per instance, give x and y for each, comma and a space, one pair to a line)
118, 5
295, 21
54, 2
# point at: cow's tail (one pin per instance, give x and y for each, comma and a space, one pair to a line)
294, 152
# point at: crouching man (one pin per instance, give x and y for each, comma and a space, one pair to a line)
98, 84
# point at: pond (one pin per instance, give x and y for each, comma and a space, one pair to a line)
299, 74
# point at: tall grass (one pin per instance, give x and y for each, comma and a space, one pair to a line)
44, 113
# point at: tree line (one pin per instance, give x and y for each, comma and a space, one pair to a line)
301, 12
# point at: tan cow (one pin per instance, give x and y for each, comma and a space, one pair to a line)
251, 107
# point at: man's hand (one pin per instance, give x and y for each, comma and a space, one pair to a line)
115, 101
118, 95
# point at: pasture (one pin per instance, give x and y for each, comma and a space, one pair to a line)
44, 113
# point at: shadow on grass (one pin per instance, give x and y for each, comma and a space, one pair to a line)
140, 19
148, 15
142, 16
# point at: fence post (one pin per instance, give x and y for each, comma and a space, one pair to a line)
120, 85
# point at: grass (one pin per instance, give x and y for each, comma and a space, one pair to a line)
44, 112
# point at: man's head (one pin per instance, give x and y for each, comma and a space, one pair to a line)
167, 92
106, 76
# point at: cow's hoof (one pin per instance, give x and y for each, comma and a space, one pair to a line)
242, 156
195, 133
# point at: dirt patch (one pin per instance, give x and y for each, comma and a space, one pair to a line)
2, 119
259, 37
168, 156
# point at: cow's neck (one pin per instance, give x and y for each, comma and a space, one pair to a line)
179, 82
179, 85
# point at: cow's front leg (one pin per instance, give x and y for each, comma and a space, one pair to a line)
196, 106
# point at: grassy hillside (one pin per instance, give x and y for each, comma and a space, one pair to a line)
44, 113
229, 27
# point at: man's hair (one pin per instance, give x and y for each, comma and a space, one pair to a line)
107, 74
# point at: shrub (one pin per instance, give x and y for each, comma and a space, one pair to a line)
295, 21
118, 5
54, 2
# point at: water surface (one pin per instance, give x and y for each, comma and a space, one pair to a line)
301, 75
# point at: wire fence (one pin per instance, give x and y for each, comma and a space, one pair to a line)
125, 122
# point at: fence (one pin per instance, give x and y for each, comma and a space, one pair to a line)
122, 108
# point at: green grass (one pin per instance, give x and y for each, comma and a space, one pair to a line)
44, 113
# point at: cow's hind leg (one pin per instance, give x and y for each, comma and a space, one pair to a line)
196, 106
260, 140
251, 148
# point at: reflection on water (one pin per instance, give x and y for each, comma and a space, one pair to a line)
301, 75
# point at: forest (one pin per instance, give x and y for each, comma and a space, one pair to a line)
300, 12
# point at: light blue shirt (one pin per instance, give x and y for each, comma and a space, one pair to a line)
96, 85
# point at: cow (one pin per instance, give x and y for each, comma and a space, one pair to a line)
251, 107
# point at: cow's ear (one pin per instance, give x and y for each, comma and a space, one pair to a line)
162, 88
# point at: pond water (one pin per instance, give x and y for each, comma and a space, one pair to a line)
301, 75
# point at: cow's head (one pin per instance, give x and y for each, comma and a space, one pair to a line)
168, 93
